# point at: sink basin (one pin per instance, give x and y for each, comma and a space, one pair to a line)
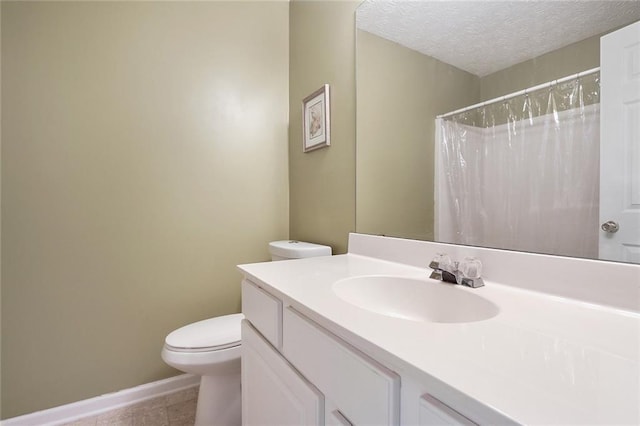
415, 299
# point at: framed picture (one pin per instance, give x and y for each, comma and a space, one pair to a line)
316, 122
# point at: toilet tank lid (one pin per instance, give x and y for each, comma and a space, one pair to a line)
293, 249
219, 332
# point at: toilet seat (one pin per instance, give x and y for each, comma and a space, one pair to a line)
212, 334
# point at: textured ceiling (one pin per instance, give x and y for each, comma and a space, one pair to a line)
484, 36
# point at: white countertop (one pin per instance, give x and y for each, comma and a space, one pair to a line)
542, 360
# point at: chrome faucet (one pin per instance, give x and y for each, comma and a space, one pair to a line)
466, 273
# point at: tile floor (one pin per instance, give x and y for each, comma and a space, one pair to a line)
176, 409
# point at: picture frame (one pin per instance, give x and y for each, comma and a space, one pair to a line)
316, 120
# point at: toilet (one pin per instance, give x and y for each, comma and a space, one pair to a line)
211, 349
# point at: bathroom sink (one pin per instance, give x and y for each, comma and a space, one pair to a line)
415, 299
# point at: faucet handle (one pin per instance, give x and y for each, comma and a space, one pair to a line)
470, 271
471, 267
441, 261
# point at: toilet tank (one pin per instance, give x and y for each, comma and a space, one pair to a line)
291, 249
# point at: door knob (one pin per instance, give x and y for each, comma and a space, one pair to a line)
610, 227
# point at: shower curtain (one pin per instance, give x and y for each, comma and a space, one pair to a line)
523, 173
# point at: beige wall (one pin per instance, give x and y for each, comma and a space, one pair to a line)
568, 60
322, 182
400, 92
144, 155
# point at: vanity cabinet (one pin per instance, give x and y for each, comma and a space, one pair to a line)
345, 325
295, 372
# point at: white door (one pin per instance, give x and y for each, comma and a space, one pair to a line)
273, 393
620, 145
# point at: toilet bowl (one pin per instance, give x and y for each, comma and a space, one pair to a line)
211, 349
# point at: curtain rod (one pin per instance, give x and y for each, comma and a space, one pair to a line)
521, 92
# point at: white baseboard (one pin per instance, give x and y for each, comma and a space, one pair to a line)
101, 404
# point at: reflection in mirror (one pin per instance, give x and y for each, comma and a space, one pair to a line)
486, 156
418, 60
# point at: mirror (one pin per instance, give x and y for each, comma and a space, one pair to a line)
417, 60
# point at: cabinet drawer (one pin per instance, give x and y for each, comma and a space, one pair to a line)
435, 412
336, 418
264, 311
365, 392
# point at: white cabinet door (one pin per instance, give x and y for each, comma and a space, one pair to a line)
620, 144
273, 393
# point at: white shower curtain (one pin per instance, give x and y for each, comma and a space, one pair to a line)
531, 183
